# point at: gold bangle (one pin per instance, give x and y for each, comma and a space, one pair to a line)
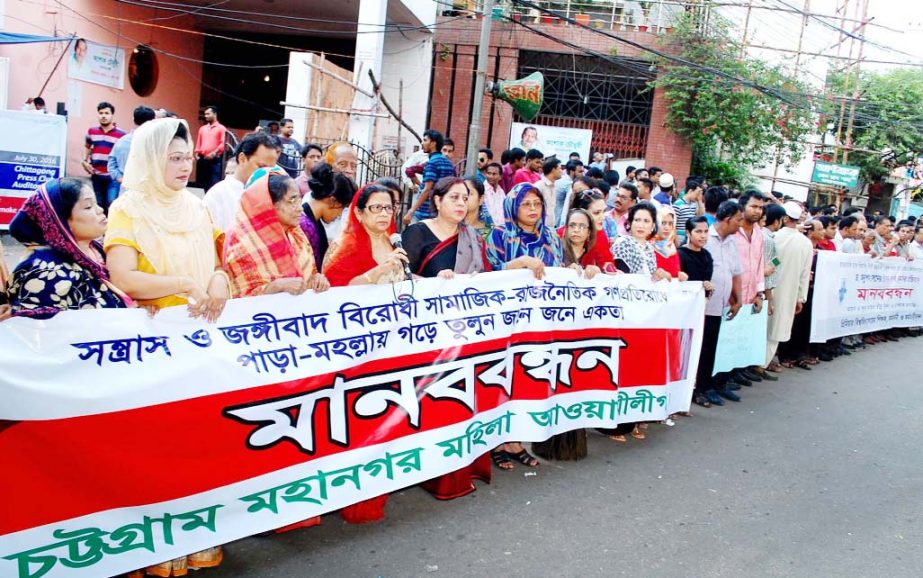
367, 278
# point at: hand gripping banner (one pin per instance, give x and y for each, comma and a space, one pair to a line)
129, 440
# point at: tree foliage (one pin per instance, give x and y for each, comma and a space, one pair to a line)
888, 115
733, 125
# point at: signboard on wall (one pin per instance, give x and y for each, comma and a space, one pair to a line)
26, 163
846, 176
96, 63
552, 140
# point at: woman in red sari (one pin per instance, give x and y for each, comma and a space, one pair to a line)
586, 248
364, 255
441, 247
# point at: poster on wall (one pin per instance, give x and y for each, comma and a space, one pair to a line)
27, 163
96, 63
552, 140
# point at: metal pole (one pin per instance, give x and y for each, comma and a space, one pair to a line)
480, 82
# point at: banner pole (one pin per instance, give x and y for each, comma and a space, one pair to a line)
480, 82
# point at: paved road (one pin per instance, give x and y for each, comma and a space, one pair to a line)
817, 475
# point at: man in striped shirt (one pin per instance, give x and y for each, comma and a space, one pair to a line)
689, 204
99, 142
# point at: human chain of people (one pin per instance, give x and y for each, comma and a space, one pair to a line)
282, 217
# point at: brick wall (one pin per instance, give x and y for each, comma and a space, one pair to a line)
450, 106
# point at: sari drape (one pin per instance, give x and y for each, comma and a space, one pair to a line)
259, 249
352, 255
56, 275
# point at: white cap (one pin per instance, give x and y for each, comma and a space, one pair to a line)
666, 180
792, 209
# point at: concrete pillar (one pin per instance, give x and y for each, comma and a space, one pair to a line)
370, 43
298, 90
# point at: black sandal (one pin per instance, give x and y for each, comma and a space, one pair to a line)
803, 364
524, 457
501, 459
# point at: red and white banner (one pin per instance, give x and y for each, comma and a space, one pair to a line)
129, 440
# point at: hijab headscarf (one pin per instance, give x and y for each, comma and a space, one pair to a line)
42, 220
172, 228
666, 247
510, 241
259, 249
352, 255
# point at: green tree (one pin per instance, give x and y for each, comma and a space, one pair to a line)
888, 115
737, 112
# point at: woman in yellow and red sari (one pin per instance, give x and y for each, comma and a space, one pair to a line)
266, 251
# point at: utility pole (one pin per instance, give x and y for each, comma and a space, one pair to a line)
480, 83
855, 93
798, 52
743, 48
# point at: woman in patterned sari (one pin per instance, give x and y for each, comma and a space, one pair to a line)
441, 247
523, 242
65, 267
266, 251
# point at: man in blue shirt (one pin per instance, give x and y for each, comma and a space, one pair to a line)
119, 155
437, 167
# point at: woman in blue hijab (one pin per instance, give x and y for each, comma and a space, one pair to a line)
524, 241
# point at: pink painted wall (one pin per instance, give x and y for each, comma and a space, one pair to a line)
178, 88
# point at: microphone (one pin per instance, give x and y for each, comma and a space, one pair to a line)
398, 244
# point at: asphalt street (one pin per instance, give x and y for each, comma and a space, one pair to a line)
818, 474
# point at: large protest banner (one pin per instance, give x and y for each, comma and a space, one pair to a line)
856, 294
33, 148
136, 440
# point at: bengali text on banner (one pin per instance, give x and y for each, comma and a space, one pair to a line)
856, 294
140, 439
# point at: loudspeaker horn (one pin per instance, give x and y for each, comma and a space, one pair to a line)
524, 95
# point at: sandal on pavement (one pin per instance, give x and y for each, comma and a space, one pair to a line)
619, 438
803, 364
501, 459
524, 457
638, 434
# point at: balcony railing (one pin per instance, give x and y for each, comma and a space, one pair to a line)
639, 15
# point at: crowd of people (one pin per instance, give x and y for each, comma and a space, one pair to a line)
261, 229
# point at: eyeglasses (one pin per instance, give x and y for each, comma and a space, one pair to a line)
292, 202
342, 165
375, 209
578, 226
179, 158
532, 204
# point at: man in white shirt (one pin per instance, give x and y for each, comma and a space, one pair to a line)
551, 172
257, 150
572, 171
493, 192
916, 246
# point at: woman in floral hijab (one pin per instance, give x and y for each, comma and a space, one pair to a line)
65, 267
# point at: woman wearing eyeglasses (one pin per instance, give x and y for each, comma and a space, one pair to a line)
162, 249
161, 246
523, 242
586, 247
364, 254
266, 251
441, 247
